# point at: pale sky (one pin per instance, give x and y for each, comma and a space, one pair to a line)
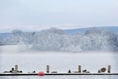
38, 14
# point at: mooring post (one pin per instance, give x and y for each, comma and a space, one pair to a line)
48, 69
79, 68
109, 69
16, 68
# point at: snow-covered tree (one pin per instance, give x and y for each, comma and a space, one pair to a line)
94, 39
48, 40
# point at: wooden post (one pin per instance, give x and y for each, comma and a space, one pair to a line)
109, 69
48, 69
16, 67
79, 68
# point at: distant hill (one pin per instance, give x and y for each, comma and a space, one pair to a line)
4, 35
82, 30
74, 31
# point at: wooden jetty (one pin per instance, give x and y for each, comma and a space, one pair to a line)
55, 74
15, 72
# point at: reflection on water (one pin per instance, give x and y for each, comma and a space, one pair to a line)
64, 77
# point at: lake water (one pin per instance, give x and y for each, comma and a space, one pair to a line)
62, 77
58, 61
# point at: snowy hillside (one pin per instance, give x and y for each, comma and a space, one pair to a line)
92, 39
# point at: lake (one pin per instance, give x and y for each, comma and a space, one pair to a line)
58, 61
62, 77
